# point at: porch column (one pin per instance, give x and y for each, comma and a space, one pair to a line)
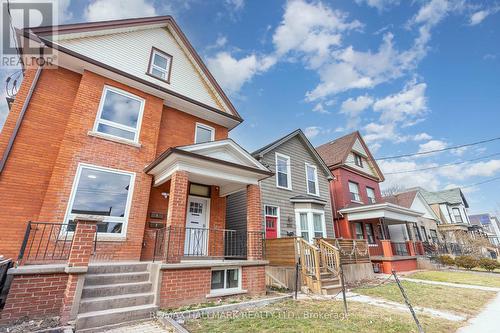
176, 217
82, 247
386, 247
411, 248
254, 223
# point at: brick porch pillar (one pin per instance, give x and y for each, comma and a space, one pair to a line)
254, 223
81, 250
176, 217
420, 248
386, 248
411, 248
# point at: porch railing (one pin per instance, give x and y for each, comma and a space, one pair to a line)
177, 242
329, 255
399, 249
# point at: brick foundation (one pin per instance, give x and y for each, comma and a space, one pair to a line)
398, 265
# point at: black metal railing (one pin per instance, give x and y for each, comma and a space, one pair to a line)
178, 242
399, 249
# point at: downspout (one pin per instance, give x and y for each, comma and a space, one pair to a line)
19, 119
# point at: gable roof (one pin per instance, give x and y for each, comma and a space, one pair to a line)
404, 199
297, 133
335, 153
452, 196
49, 35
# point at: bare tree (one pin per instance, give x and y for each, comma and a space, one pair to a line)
392, 190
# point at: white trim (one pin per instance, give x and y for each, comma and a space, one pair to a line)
288, 170
225, 290
349, 182
98, 119
207, 220
315, 179
310, 221
278, 221
158, 68
204, 126
124, 220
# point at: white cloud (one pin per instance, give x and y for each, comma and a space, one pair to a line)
220, 42
465, 190
353, 108
422, 137
431, 146
312, 131
426, 179
469, 170
479, 16
235, 4
459, 151
233, 73
319, 108
379, 4
100, 10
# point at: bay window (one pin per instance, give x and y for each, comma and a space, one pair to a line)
311, 224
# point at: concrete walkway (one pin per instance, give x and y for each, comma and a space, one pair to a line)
488, 321
149, 326
449, 284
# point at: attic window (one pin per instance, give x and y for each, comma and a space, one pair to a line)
358, 160
160, 65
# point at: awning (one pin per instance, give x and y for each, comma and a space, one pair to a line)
388, 211
222, 163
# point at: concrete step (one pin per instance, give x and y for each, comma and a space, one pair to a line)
114, 302
113, 316
113, 278
331, 290
118, 267
116, 289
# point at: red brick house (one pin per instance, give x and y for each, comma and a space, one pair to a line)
360, 212
127, 136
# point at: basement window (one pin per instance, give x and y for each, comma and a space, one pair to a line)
226, 280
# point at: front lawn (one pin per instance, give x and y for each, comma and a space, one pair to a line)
461, 301
488, 280
318, 316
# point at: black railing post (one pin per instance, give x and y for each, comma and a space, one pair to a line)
25, 241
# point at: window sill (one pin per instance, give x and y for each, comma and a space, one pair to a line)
358, 202
214, 294
114, 139
314, 194
284, 188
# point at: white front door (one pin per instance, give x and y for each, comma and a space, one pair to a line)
196, 242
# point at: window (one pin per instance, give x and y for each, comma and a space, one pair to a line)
271, 218
119, 114
105, 192
318, 225
370, 193
283, 173
304, 227
358, 160
199, 190
369, 233
354, 189
226, 279
160, 64
311, 224
312, 179
434, 236
203, 133
424, 234
358, 229
416, 232
457, 215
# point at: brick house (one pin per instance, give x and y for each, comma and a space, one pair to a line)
359, 210
121, 154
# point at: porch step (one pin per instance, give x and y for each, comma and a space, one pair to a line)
113, 316
331, 290
120, 267
113, 302
116, 289
113, 278
330, 282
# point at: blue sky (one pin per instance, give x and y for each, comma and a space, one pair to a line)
410, 75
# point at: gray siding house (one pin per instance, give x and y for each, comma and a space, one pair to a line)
296, 200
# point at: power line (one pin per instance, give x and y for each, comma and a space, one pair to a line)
482, 182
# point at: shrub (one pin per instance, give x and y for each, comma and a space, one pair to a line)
489, 264
446, 260
467, 262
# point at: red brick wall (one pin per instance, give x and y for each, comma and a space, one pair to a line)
34, 296
398, 266
189, 286
28, 170
340, 187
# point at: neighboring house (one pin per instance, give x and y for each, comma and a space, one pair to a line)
426, 227
132, 129
489, 225
360, 212
296, 200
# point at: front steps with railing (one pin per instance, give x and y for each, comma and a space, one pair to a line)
114, 293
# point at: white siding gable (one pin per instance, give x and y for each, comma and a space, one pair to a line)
358, 148
367, 168
130, 52
420, 206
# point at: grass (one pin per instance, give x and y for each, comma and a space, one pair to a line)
461, 301
459, 277
318, 316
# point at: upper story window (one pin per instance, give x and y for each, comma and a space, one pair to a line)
283, 172
370, 193
312, 179
204, 133
358, 160
160, 65
354, 190
119, 114
457, 215
105, 192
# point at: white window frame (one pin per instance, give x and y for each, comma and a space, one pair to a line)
350, 193
370, 198
152, 65
224, 291
288, 170
98, 119
315, 179
459, 214
278, 221
310, 222
124, 220
204, 126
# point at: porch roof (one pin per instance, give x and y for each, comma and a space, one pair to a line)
222, 163
382, 210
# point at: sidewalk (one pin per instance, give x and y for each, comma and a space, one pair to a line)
487, 321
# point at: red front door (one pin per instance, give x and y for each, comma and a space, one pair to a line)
271, 227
